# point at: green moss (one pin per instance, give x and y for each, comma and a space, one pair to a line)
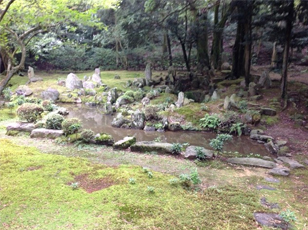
12, 133
270, 120
192, 112
164, 97
45, 198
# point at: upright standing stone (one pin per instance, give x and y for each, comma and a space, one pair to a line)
180, 101
214, 96
30, 73
252, 89
96, 77
227, 104
148, 73
265, 81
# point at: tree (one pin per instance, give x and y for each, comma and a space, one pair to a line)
25, 19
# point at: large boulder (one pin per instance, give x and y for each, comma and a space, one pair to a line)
20, 126
125, 143
118, 121
138, 119
278, 171
123, 100
89, 84
24, 90
104, 139
191, 152
257, 162
50, 94
152, 146
112, 95
73, 82
46, 133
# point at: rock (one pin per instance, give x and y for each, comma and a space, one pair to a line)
180, 102
270, 220
187, 101
117, 77
149, 146
252, 89
191, 152
148, 73
214, 96
62, 111
34, 79
96, 77
108, 108
73, 82
256, 98
123, 100
21, 127
260, 137
24, 90
265, 81
30, 73
90, 92
104, 139
266, 187
293, 163
279, 171
271, 147
145, 101
138, 119
125, 143
139, 83
112, 95
46, 133
252, 162
89, 85
306, 162
272, 180
256, 131
50, 94
267, 204
281, 143
175, 126
227, 104
225, 66
149, 128
234, 100
268, 111
118, 121
167, 90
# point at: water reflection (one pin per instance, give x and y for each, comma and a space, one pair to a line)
93, 118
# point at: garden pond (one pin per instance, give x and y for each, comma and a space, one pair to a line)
92, 117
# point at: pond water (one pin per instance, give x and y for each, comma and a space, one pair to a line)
94, 119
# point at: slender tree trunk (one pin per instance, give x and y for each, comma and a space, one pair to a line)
202, 41
238, 52
186, 59
248, 41
169, 50
284, 77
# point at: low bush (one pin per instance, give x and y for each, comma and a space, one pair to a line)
87, 135
71, 125
210, 121
54, 121
29, 112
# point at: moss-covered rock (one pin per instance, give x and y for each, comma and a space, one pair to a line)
104, 139
125, 143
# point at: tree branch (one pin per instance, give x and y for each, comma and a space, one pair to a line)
6, 9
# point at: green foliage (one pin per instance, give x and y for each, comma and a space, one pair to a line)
243, 106
71, 125
219, 141
174, 181
54, 121
7, 93
237, 128
129, 93
11, 106
47, 105
200, 153
210, 121
158, 126
75, 185
150, 174
138, 95
151, 189
187, 180
132, 180
288, 216
176, 148
29, 112
87, 135
194, 176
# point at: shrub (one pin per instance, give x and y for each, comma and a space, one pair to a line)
219, 141
194, 176
176, 148
150, 174
54, 121
47, 105
288, 216
174, 181
138, 95
185, 180
237, 128
75, 185
210, 121
132, 180
7, 93
129, 93
199, 153
151, 189
29, 112
71, 125
87, 135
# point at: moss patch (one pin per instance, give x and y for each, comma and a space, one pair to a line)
42, 197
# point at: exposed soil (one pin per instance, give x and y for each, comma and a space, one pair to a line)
92, 185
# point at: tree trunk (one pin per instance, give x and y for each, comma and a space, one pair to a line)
169, 50
186, 59
248, 41
202, 41
238, 52
284, 77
